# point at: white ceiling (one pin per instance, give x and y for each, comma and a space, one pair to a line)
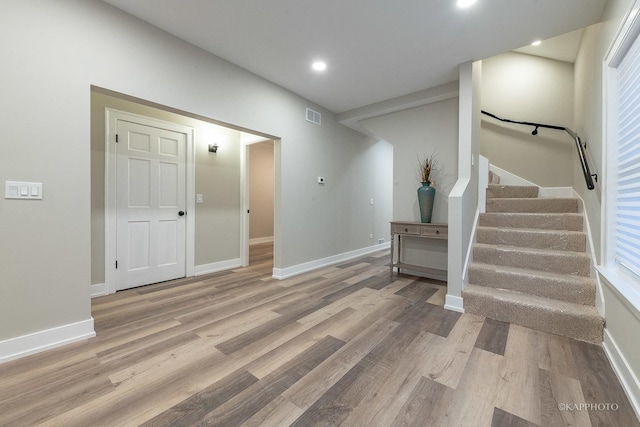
375, 49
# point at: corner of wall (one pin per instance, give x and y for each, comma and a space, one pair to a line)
25, 345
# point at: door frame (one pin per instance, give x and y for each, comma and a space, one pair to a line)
110, 237
245, 163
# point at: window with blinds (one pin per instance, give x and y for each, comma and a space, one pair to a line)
627, 240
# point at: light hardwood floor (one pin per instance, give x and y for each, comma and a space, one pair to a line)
345, 345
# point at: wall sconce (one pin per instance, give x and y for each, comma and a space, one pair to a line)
213, 148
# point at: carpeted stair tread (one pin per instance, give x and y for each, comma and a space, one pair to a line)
547, 221
562, 262
530, 266
532, 238
529, 205
581, 322
564, 287
495, 191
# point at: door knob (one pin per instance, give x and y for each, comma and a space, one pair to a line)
181, 213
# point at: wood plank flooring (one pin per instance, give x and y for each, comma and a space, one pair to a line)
345, 345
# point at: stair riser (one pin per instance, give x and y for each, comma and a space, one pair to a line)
547, 287
557, 262
530, 239
544, 222
532, 205
567, 324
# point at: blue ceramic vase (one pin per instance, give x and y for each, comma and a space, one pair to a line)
426, 195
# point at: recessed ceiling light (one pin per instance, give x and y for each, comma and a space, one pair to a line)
465, 3
319, 66
536, 43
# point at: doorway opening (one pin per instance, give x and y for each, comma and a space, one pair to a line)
259, 201
215, 192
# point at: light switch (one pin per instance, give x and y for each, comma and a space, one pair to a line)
199, 198
13, 191
23, 190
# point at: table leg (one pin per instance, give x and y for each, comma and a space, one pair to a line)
399, 251
393, 239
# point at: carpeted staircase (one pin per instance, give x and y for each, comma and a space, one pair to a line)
530, 266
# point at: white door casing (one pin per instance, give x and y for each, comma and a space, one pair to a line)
150, 180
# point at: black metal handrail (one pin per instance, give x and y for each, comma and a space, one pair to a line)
588, 176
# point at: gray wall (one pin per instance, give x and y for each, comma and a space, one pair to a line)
57, 50
421, 131
528, 88
217, 179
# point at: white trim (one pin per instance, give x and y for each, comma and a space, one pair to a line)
244, 201
245, 190
111, 118
624, 36
214, 267
456, 255
284, 273
483, 182
591, 250
15, 348
454, 303
469, 258
261, 240
99, 290
625, 284
621, 282
627, 378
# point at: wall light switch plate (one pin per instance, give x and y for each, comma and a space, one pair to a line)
199, 198
23, 190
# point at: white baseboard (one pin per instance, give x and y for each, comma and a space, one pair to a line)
214, 267
454, 303
260, 240
99, 290
284, 273
625, 374
15, 348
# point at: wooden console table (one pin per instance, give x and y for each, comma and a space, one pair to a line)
415, 229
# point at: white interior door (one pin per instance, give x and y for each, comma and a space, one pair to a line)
150, 204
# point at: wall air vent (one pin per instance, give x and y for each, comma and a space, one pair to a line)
314, 116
